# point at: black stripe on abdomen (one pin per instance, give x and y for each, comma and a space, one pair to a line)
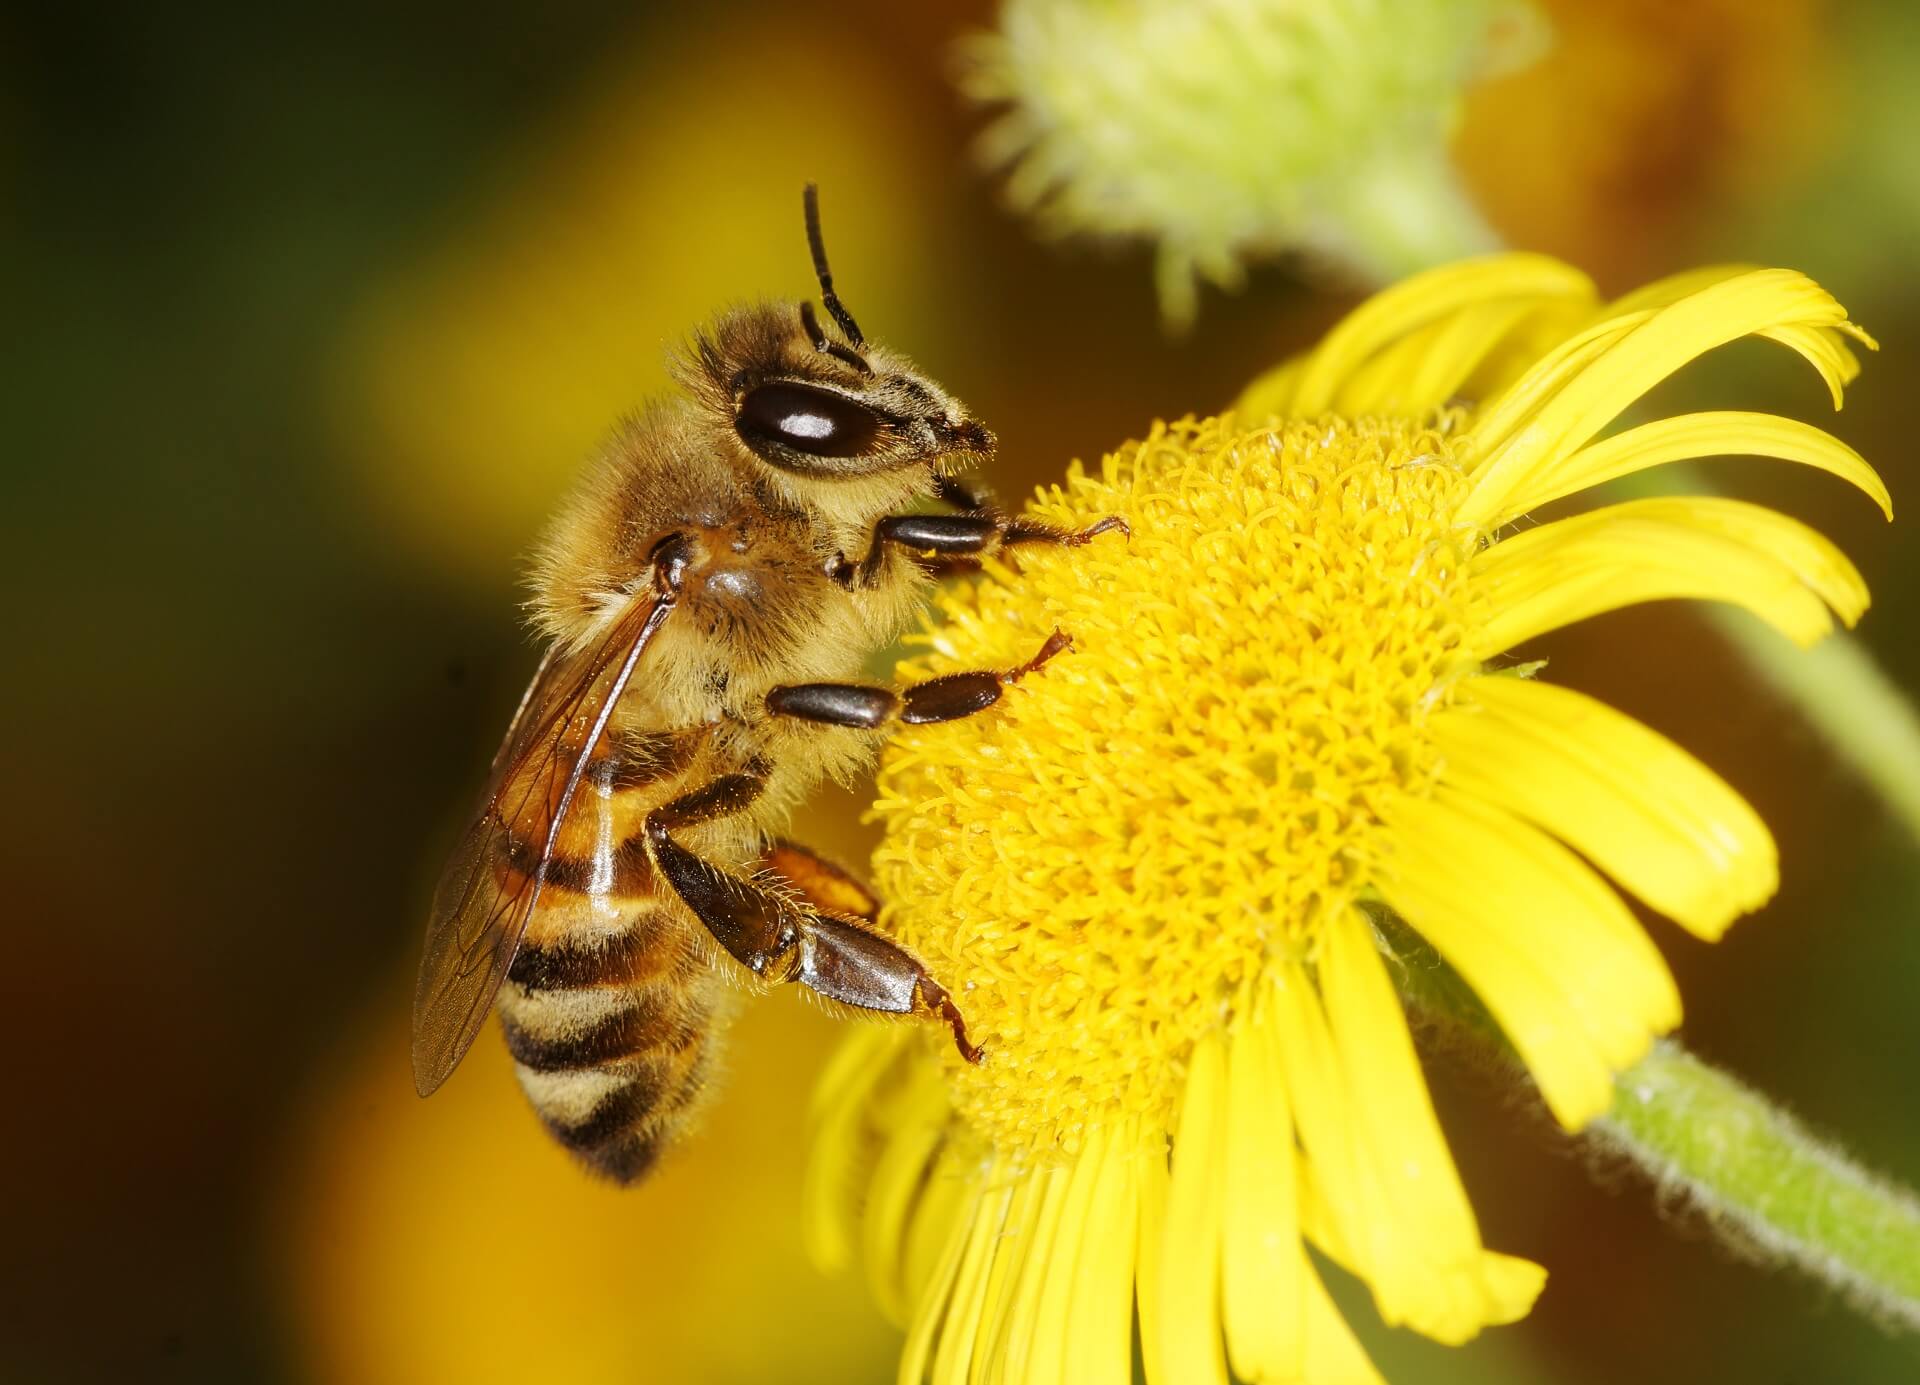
622, 1136
652, 1021
632, 1101
570, 963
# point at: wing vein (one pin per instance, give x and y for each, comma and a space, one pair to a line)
479, 918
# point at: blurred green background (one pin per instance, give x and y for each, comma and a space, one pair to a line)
311, 314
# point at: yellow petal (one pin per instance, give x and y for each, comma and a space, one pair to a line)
1560, 962
1099, 1318
1681, 438
1427, 367
1511, 1280
1649, 550
1407, 307
838, 1162
1154, 1190
1454, 1287
860, 1061
1378, 383
1829, 355
1326, 1136
1813, 558
1262, 1288
1759, 302
1503, 417
1471, 345
1318, 1222
1624, 796
1037, 1352
945, 1205
960, 1328
1027, 1249
930, 1307
1822, 345
899, 1178
1333, 1355
1662, 292
1380, 1160
1189, 1307
1271, 393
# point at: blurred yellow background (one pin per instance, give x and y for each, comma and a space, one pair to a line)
313, 317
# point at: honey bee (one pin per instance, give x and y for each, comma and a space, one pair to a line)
708, 596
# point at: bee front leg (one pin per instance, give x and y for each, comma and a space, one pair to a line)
779, 939
955, 542
947, 698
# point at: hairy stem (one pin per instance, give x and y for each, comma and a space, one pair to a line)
1765, 1182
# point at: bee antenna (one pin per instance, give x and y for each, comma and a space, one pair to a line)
828, 298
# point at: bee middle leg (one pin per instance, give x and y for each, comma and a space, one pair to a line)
778, 938
947, 698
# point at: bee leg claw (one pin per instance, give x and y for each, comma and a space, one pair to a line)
969, 1050
1059, 642
1029, 531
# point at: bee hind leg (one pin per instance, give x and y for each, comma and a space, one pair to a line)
778, 938
848, 961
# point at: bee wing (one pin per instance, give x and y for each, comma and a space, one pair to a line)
480, 910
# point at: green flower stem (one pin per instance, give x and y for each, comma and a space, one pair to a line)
1763, 1180
1766, 1185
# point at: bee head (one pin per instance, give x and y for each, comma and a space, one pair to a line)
834, 407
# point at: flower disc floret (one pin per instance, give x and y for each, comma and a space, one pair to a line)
1106, 861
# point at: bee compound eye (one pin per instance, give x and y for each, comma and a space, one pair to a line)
817, 422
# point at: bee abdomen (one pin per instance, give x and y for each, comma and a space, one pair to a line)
617, 1092
618, 1139
612, 1041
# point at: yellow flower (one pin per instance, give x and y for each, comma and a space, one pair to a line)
1150, 874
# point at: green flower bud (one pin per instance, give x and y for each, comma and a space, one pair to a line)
1227, 130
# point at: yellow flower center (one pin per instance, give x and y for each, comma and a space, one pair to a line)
1098, 866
